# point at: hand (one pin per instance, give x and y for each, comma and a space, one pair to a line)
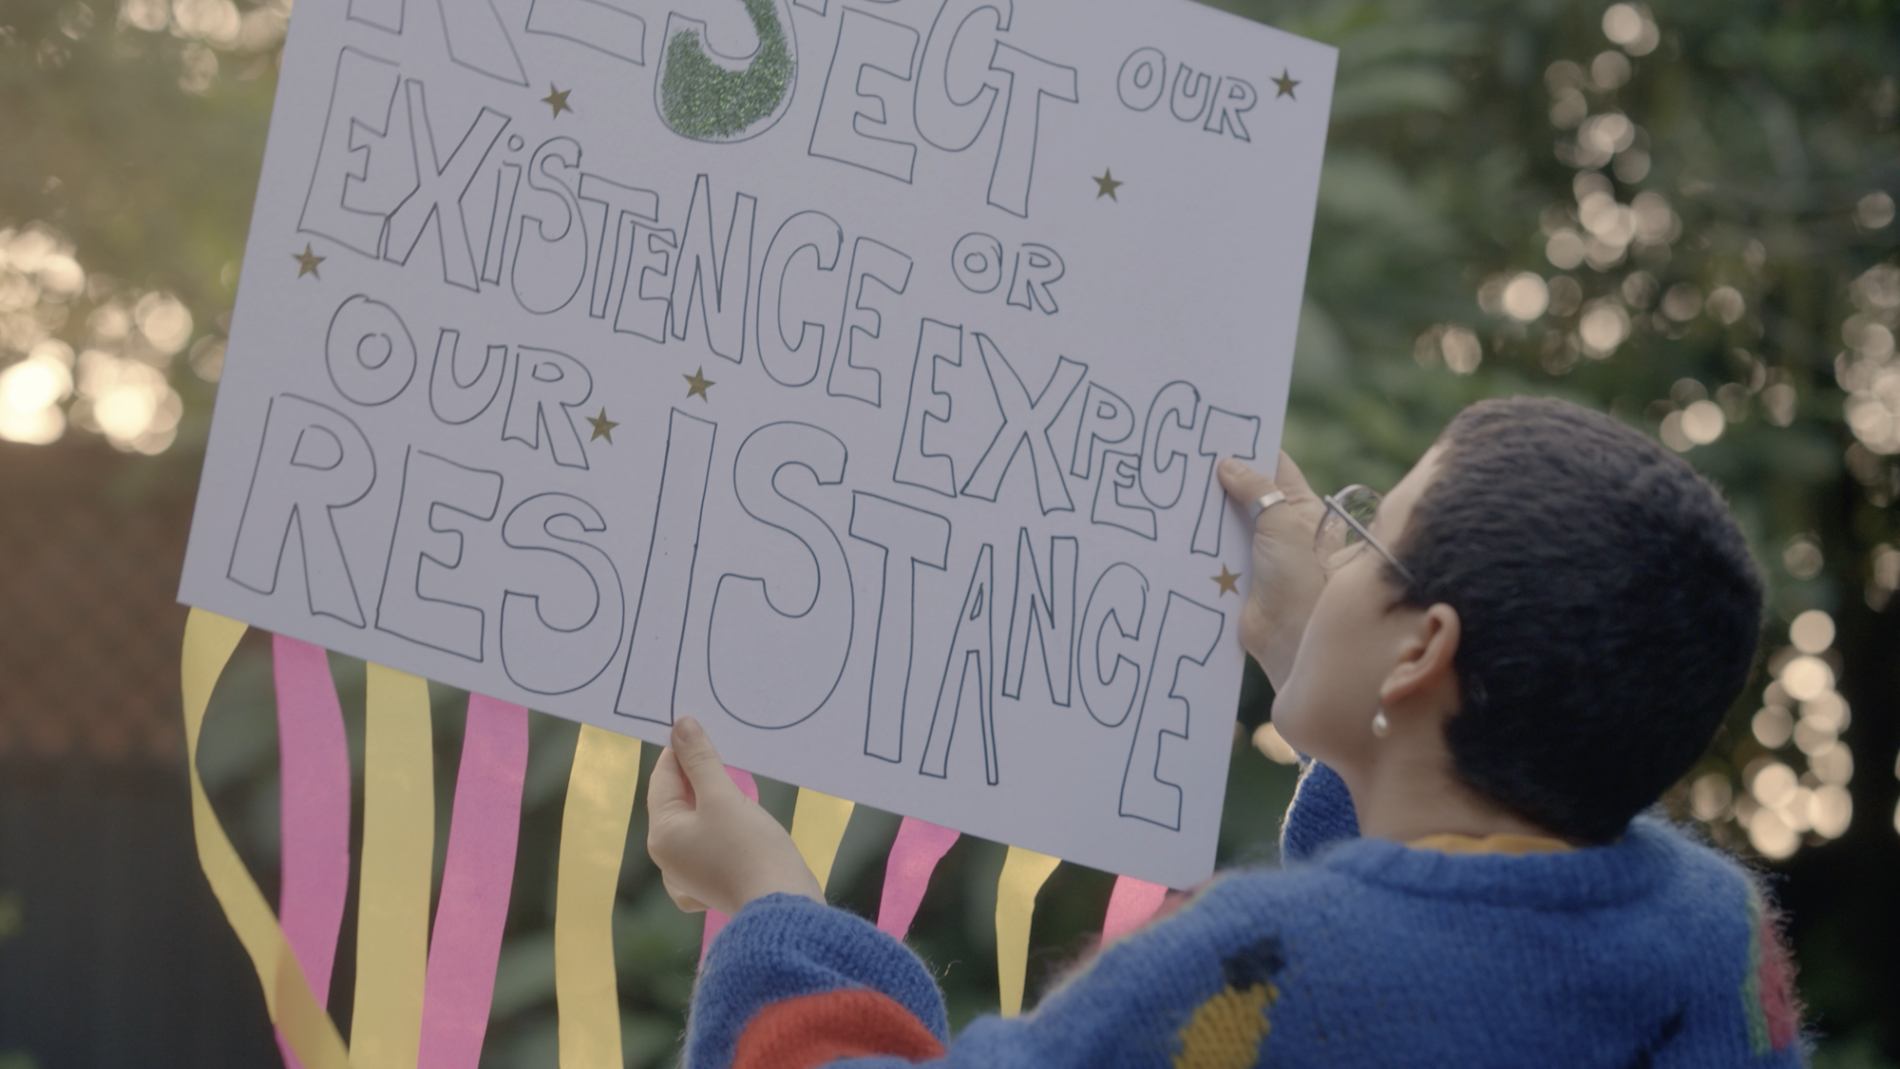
715, 847
1286, 574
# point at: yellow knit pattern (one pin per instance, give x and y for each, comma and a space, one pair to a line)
1225, 1032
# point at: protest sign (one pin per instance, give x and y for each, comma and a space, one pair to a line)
848, 375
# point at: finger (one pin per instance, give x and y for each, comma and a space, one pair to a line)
669, 790
1291, 479
699, 760
1242, 483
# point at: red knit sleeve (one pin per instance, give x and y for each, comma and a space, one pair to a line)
815, 1030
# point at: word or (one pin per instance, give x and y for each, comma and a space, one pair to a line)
978, 263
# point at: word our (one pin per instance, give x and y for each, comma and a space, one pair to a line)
969, 417
1194, 96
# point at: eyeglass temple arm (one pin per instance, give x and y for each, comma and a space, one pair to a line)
1333, 504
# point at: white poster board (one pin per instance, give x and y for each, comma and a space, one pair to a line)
847, 374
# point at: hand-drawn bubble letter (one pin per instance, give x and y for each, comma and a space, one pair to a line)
706, 96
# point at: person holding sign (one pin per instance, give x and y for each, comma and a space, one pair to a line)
1495, 670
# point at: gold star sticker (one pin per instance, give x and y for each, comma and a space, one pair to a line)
557, 99
697, 384
603, 427
1229, 582
1285, 83
307, 262
1106, 186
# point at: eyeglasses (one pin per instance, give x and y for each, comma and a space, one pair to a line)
1344, 532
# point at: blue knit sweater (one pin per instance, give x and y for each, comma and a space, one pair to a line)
1652, 951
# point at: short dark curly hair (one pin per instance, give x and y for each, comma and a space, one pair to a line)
1609, 610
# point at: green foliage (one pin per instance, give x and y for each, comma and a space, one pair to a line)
12, 916
1683, 226
1693, 230
152, 181
1859, 1051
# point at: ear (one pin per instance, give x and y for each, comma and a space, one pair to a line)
1426, 674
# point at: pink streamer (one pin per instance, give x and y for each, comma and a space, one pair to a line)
315, 779
716, 920
1131, 905
476, 881
914, 856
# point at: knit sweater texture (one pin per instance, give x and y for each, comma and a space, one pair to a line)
1653, 951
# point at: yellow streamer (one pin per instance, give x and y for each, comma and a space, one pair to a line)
593, 839
818, 823
210, 640
1024, 873
392, 930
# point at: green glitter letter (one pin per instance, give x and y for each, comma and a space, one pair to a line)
709, 97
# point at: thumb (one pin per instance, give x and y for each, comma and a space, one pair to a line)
699, 760
1242, 483
668, 791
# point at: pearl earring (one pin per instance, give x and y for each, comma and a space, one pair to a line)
1381, 727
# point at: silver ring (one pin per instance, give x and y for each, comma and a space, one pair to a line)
1267, 501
